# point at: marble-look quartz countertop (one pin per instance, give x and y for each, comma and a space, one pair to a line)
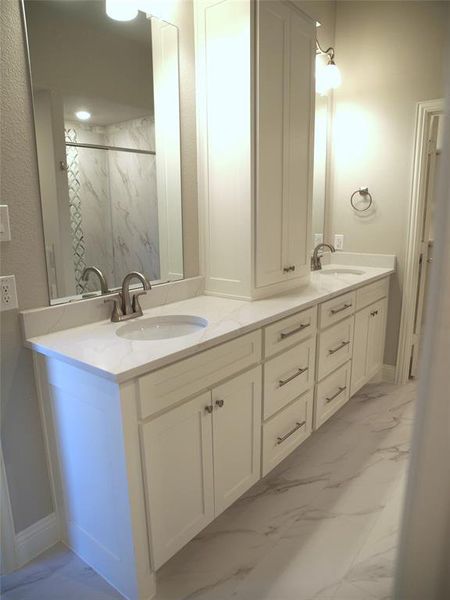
97, 348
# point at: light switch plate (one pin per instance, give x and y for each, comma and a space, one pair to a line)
8, 293
5, 230
339, 241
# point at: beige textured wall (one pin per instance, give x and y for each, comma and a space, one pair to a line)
391, 55
24, 256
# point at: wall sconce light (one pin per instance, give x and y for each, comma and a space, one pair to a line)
328, 76
121, 10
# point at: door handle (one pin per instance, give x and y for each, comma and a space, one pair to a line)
284, 437
209, 409
335, 311
220, 403
284, 335
341, 388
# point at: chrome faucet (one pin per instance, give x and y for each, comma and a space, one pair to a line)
316, 263
126, 307
103, 284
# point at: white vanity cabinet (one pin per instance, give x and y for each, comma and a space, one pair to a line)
199, 458
255, 116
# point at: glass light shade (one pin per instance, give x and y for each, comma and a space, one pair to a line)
121, 10
328, 77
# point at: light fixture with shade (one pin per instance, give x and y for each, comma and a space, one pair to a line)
328, 76
121, 10
83, 115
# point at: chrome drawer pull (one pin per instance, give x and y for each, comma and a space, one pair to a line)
341, 388
335, 311
282, 382
334, 350
284, 437
284, 335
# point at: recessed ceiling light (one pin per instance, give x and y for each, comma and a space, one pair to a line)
83, 115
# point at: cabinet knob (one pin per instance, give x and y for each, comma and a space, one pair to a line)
289, 269
373, 313
209, 408
220, 403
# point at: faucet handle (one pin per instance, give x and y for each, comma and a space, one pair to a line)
137, 308
117, 309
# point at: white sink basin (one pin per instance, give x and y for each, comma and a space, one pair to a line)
161, 328
340, 271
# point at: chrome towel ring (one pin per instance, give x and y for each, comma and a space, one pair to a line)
364, 192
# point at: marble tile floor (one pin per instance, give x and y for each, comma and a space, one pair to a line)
322, 526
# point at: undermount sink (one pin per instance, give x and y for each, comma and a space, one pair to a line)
340, 271
161, 328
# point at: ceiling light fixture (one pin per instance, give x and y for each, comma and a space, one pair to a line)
121, 10
328, 77
83, 115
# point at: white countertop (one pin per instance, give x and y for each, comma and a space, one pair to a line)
98, 349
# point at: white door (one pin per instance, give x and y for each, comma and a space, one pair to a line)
236, 437
285, 129
179, 475
426, 237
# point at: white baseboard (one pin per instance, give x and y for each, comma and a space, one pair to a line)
33, 540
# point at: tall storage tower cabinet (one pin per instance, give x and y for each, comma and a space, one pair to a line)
255, 118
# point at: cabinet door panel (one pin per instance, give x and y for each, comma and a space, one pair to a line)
271, 233
375, 338
177, 448
359, 360
299, 128
236, 437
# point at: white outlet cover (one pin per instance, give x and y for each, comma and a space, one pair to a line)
8, 293
339, 241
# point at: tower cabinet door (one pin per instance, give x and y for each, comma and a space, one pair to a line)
179, 475
284, 141
236, 437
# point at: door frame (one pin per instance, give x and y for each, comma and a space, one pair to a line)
424, 113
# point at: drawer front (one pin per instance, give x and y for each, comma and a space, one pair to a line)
167, 386
288, 375
331, 393
290, 331
286, 430
335, 347
372, 292
337, 309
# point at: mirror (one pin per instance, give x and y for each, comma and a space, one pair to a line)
106, 109
320, 176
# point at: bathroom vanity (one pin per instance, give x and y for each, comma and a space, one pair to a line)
150, 440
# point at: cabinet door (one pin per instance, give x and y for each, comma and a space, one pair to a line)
236, 437
368, 343
285, 110
177, 448
375, 337
359, 359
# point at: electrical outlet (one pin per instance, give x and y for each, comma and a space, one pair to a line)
339, 241
8, 294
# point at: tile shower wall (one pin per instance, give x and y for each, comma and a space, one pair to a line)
118, 199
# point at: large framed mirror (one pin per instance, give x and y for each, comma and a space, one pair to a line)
107, 123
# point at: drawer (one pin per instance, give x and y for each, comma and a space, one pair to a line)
336, 309
288, 375
165, 387
287, 332
286, 430
331, 393
335, 347
371, 293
